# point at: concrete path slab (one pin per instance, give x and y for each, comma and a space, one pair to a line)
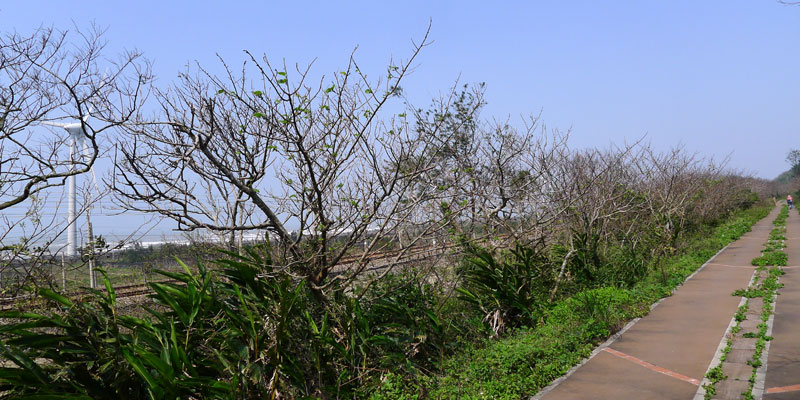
783, 360
609, 377
688, 326
681, 334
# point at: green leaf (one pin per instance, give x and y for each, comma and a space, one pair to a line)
41, 340
184, 266
258, 93
281, 81
434, 319
281, 73
112, 295
19, 358
250, 317
174, 275
70, 396
162, 293
368, 91
330, 89
49, 294
311, 323
139, 368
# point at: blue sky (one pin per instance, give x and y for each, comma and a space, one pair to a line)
720, 77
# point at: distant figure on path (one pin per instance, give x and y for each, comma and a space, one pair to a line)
789, 201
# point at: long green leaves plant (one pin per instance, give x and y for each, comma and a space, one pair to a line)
241, 330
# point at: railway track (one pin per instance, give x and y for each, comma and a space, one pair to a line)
409, 255
124, 291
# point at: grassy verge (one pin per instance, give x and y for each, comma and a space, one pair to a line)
773, 253
78, 277
770, 287
529, 359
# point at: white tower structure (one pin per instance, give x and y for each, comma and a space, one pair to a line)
77, 137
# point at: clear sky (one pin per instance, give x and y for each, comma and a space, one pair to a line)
720, 77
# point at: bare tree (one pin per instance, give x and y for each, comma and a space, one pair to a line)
55, 76
45, 77
673, 184
597, 207
490, 180
316, 164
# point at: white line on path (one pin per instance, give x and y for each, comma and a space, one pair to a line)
616, 336
759, 386
701, 390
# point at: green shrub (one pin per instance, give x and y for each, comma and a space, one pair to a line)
778, 258
511, 290
529, 359
81, 347
245, 332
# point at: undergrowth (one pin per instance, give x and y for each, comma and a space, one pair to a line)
529, 358
243, 330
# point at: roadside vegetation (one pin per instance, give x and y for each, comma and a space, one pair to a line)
228, 331
531, 357
427, 253
773, 253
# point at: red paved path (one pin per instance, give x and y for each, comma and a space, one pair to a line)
680, 336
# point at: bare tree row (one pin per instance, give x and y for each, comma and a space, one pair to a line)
337, 165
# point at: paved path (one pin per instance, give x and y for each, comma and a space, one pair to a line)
666, 354
783, 360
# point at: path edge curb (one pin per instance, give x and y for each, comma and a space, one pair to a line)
760, 385
723, 343
547, 389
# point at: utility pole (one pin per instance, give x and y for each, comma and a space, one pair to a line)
241, 243
92, 282
63, 273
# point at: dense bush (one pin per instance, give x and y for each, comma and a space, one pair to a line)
528, 359
244, 330
532, 357
511, 289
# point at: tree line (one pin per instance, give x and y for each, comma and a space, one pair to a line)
332, 167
